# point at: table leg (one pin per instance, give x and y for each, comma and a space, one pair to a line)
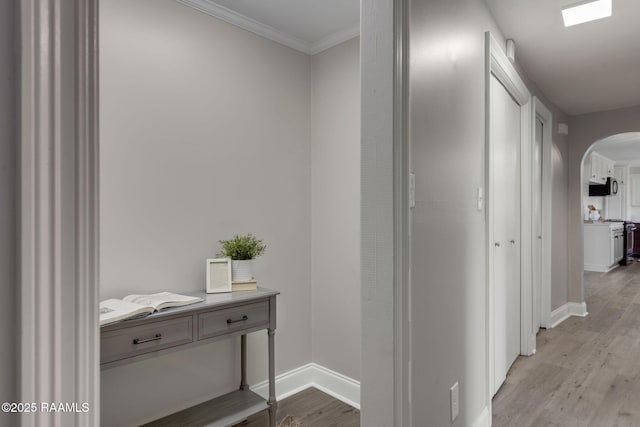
273, 405
243, 362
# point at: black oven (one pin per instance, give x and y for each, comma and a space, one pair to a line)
629, 235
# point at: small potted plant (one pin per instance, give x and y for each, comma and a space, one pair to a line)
241, 250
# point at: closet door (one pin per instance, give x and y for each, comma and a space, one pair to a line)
505, 164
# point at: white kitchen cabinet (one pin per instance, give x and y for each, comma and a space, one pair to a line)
603, 246
609, 168
596, 168
601, 168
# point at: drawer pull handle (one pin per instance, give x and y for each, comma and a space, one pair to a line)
139, 341
245, 317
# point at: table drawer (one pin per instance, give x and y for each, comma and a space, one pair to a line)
136, 340
232, 319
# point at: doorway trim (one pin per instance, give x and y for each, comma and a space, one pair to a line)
401, 219
383, 310
498, 65
542, 295
58, 348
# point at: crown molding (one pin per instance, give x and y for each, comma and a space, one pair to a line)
234, 18
246, 23
335, 39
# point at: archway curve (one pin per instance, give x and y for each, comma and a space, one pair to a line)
616, 146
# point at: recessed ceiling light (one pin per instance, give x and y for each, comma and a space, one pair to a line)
586, 11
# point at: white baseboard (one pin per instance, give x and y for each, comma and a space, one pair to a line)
287, 383
599, 268
563, 312
532, 345
578, 309
483, 420
313, 375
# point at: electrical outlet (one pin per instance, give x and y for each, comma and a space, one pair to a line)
455, 402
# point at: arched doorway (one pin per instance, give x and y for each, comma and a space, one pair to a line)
610, 179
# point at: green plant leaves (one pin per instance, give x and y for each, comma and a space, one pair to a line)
242, 247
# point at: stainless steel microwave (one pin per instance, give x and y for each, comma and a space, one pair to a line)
610, 188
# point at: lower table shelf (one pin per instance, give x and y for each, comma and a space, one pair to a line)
224, 411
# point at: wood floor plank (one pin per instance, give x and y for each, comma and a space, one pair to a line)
539, 382
312, 408
586, 371
610, 407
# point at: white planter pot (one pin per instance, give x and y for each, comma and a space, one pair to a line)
241, 270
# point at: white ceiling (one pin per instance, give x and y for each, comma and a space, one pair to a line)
306, 25
623, 148
309, 20
586, 68
581, 69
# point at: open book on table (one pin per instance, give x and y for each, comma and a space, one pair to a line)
136, 306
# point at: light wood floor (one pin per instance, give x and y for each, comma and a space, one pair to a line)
587, 370
312, 408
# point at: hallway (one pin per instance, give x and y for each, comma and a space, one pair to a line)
587, 370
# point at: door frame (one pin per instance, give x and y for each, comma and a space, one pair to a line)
57, 87
385, 250
401, 217
59, 351
542, 294
498, 65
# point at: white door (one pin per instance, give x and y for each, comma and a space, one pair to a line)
505, 163
537, 222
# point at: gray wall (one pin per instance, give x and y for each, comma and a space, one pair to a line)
584, 130
204, 133
335, 208
559, 196
448, 237
8, 204
559, 188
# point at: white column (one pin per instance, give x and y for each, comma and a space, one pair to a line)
58, 346
377, 211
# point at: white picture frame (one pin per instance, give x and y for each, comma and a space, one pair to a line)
218, 275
